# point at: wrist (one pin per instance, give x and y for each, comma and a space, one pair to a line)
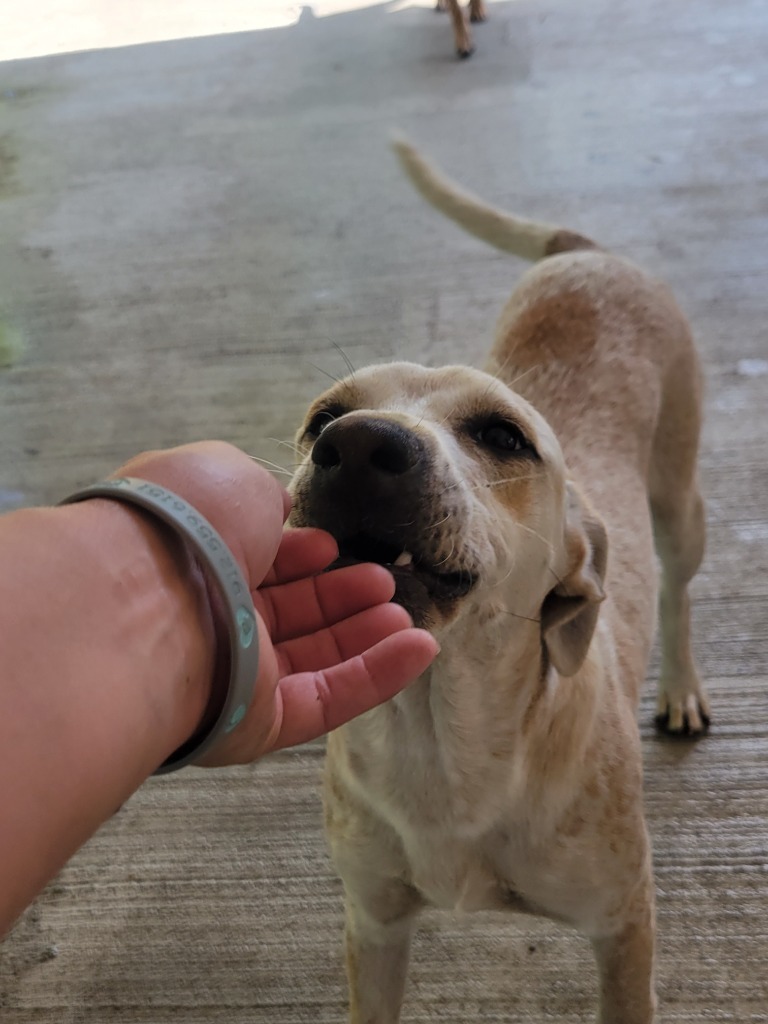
231, 594
156, 598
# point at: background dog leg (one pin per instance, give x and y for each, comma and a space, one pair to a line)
625, 964
461, 31
377, 948
477, 11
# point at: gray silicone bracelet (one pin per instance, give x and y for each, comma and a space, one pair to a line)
220, 564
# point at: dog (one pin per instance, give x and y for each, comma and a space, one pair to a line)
461, 33
517, 509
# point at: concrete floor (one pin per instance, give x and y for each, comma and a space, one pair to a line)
191, 231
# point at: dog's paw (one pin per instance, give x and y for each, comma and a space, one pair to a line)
465, 51
687, 718
477, 13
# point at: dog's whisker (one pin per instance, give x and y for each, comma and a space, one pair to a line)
449, 487
447, 557
443, 421
517, 615
288, 444
560, 582
325, 373
506, 480
485, 486
529, 529
496, 374
521, 526
440, 522
505, 578
272, 465
519, 377
345, 357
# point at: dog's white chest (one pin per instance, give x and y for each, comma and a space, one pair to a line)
451, 875
445, 813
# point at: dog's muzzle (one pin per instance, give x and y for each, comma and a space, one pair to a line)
372, 486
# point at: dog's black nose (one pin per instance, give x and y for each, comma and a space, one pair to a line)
369, 475
372, 448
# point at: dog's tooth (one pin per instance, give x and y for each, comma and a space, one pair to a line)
404, 558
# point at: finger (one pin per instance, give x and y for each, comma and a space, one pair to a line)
342, 641
314, 703
302, 552
308, 605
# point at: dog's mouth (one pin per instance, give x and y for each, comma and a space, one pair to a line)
409, 567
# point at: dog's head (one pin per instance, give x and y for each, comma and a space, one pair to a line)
458, 486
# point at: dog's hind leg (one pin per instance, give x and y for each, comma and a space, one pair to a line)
679, 533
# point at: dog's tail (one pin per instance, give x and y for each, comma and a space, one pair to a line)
526, 238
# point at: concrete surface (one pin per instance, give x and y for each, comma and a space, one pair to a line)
190, 230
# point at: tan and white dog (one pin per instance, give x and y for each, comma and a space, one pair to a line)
520, 526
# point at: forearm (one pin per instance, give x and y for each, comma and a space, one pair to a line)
107, 659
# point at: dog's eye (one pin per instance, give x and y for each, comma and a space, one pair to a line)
321, 419
503, 437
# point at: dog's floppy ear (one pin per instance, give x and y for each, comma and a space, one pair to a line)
570, 609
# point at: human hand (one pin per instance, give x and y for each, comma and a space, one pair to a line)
331, 645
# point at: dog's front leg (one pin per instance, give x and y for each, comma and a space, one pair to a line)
625, 965
378, 940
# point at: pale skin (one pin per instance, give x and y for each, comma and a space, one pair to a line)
109, 649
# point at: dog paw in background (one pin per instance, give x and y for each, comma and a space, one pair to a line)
477, 13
